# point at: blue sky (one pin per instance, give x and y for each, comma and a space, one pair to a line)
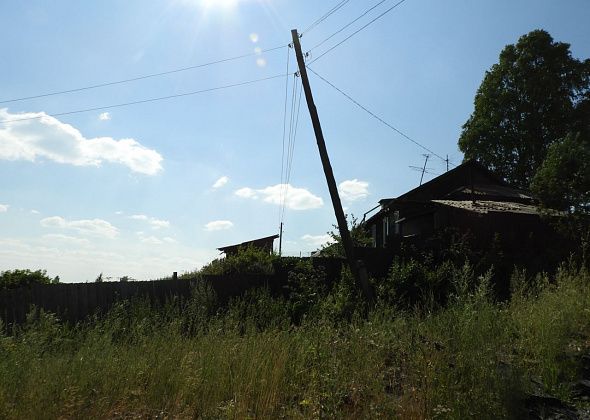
153, 188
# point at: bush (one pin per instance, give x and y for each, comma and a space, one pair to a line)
248, 260
13, 279
306, 288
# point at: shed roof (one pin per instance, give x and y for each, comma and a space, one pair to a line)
267, 241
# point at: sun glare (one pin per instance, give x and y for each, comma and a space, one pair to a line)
219, 4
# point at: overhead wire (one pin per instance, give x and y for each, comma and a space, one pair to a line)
284, 185
357, 31
161, 98
378, 118
347, 25
298, 106
296, 109
146, 76
325, 16
284, 129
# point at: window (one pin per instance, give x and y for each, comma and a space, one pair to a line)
396, 225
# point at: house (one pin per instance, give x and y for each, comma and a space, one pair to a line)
468, 198
265, 244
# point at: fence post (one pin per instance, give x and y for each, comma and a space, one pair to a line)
175, 276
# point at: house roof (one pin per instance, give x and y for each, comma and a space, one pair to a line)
468, 173
260, 243
464, 183
484, 207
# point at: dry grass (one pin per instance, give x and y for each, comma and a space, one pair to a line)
472, 359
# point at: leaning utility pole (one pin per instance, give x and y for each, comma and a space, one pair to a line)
356, 266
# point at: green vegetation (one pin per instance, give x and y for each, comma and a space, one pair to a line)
249, 260
530, 100
12, 279
316, 353
563, 180
359, 235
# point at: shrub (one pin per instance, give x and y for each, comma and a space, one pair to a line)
248, 260
306, 288
12, 279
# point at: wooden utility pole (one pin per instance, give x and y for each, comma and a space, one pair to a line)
281, 239
356, 266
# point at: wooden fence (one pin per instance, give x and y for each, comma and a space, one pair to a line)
74, 302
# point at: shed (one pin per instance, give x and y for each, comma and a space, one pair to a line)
265, 244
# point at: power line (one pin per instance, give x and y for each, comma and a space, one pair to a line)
161, 98
290, 167
146, 76
359, 30
347, 25
284, 128
285, 185
401, 133
325, 16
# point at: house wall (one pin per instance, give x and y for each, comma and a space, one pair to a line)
421, 225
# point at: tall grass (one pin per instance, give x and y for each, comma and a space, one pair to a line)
472, 359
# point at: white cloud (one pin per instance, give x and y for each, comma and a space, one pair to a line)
154, 223
353, 190
218, 225
151, 240
317, 240
221, 182
246, 193
47, 137
97, 227
35, 211
158, 224
4, 208
295, 198
58, 237
105, 116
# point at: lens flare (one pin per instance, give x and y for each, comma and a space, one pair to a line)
219, 4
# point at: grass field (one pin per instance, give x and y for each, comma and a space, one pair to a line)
474, 358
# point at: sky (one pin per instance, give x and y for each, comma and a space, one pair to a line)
151, 188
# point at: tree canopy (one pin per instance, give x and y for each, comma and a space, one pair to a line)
563, 180
530, 100
12, 279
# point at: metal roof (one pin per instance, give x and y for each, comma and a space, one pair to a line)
253, 242
485, 207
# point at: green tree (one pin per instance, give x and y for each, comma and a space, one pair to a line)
563, 180
528, 101
12, 279
359, 235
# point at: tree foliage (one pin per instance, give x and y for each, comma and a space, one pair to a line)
248, 260
360, 238
563, 180
531, 99
12, 279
